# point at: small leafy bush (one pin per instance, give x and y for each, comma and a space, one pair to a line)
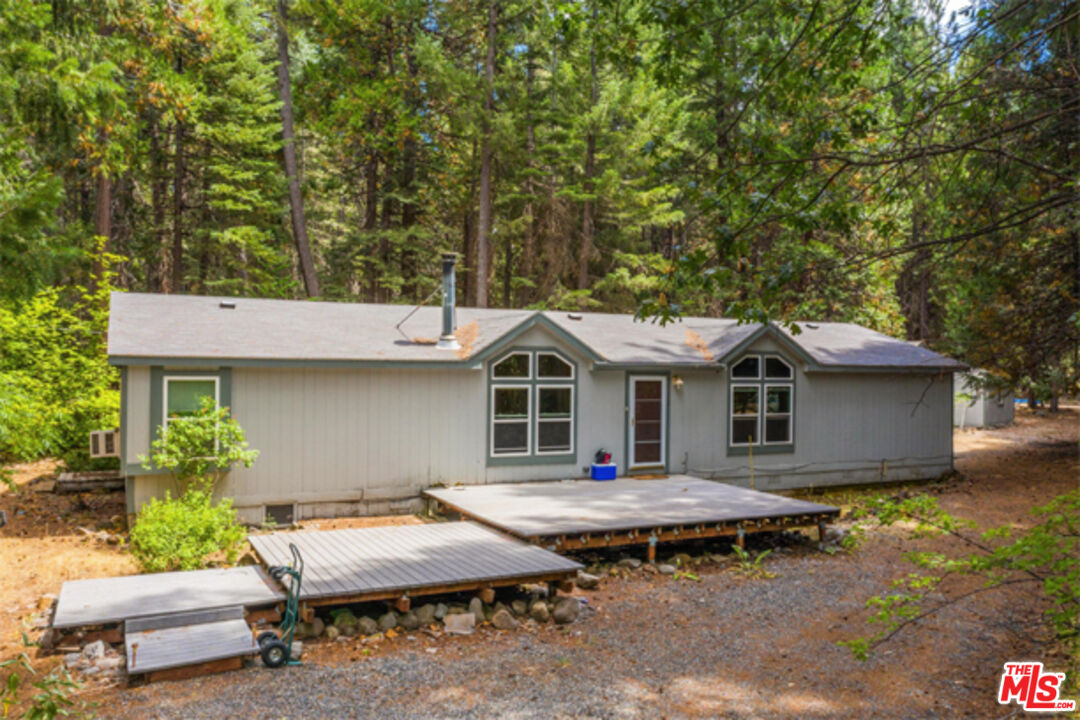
184, 533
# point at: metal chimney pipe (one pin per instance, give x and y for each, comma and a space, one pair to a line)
447, 341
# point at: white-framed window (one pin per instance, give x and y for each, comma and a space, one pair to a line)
554, 419
532, 404
513, 366
749, 368
511, 410
761, 401
182, 395
777, 426
552, 366
745, 415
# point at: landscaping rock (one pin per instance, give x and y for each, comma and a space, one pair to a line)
297, 650
72, 659
425, 614
503, 620
456, 610
409, 621
629, 562
540, 612
332, 633
666, 569
388, 621
461, 624
566, 610
519, 607
440, 611
94, 651
500, 606
317, 626
343, 619
110, 663
303, 629
488, 612
476, 607
585, 581
367, 626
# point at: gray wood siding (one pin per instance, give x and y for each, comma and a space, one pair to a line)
845, 425
137, 402
342, 441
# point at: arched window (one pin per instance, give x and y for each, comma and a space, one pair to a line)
532, 406
762, 401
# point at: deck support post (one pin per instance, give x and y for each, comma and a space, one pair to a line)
553, 590
652, 549
740, 537
487, 595
821, 530
402, 604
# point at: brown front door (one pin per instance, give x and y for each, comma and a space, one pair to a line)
648, 418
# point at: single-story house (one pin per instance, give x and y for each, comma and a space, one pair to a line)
354, 411
978, 405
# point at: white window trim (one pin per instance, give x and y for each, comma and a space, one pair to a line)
198, 378
760, 368
539, 377
790, 415
528, 354
527, 420
791, 369
537, 420
756, 387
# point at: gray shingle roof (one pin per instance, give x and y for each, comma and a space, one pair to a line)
150, 326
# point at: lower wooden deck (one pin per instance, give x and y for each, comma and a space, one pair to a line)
577, 514
405, 561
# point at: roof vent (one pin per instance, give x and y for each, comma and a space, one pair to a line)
574, 316
227, 304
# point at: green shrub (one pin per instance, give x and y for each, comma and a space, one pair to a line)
183, 533
56, 384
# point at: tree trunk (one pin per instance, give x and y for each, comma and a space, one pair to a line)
468, 239
409, 208
102, 218
296, 200
528, 253
371, 217
180, 168
588, 229
158, 273
483, 225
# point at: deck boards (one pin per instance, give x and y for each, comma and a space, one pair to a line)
111, 600
544, 509
151, 648
407, 558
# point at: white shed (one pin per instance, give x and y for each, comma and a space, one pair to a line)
976, 406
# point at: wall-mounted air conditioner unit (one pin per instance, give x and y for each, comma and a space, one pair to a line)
104, 443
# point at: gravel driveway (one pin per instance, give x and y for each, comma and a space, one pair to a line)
648, 647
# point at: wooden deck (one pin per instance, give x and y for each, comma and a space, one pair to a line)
575, 514
104, 601
366, 564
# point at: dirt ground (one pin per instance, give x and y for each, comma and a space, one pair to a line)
646, 645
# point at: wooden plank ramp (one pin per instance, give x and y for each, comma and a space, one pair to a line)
364, 564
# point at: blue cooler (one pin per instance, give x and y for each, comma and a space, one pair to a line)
604, 471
